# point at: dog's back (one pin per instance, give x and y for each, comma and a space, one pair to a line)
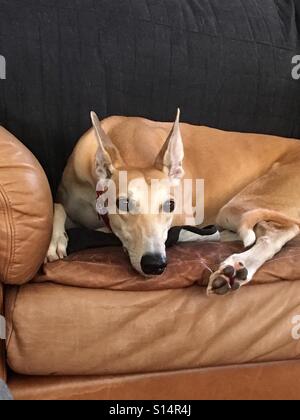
227, 161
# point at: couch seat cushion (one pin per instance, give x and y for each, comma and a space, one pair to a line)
189, 264
61, 330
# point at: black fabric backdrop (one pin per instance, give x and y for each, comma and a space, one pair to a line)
226, 63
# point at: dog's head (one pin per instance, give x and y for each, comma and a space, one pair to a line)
141, 203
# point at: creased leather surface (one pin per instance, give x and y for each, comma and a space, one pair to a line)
109, 268
272, 381
25, 212
227, 64
59, 330
2, 345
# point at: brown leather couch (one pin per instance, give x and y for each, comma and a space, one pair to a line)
71, 342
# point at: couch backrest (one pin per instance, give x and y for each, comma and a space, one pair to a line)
227, 64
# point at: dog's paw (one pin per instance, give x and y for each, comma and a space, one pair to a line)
229, 278
58, 248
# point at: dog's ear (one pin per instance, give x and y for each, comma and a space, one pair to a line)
108, 158
170, 158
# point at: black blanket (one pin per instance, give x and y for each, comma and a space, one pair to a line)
81, 239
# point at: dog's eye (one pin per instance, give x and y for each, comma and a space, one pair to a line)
123, 204
169, 206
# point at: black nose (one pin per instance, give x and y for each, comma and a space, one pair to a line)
153, 264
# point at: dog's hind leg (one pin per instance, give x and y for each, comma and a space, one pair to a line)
59, 242
266, 216
239, 269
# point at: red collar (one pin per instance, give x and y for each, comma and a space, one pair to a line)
104, 217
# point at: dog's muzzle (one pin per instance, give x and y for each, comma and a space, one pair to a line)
153, 264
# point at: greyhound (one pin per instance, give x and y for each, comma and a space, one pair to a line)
251, 189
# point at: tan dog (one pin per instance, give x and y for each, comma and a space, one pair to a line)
252, 187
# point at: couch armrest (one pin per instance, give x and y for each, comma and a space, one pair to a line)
2, 342
26, 212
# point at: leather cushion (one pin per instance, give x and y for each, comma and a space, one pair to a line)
60, 330
109, 268
93, 331
2, 345
25, 212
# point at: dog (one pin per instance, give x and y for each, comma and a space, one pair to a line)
252, 189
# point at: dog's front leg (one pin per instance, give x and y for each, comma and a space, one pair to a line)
59, 242
239, 269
